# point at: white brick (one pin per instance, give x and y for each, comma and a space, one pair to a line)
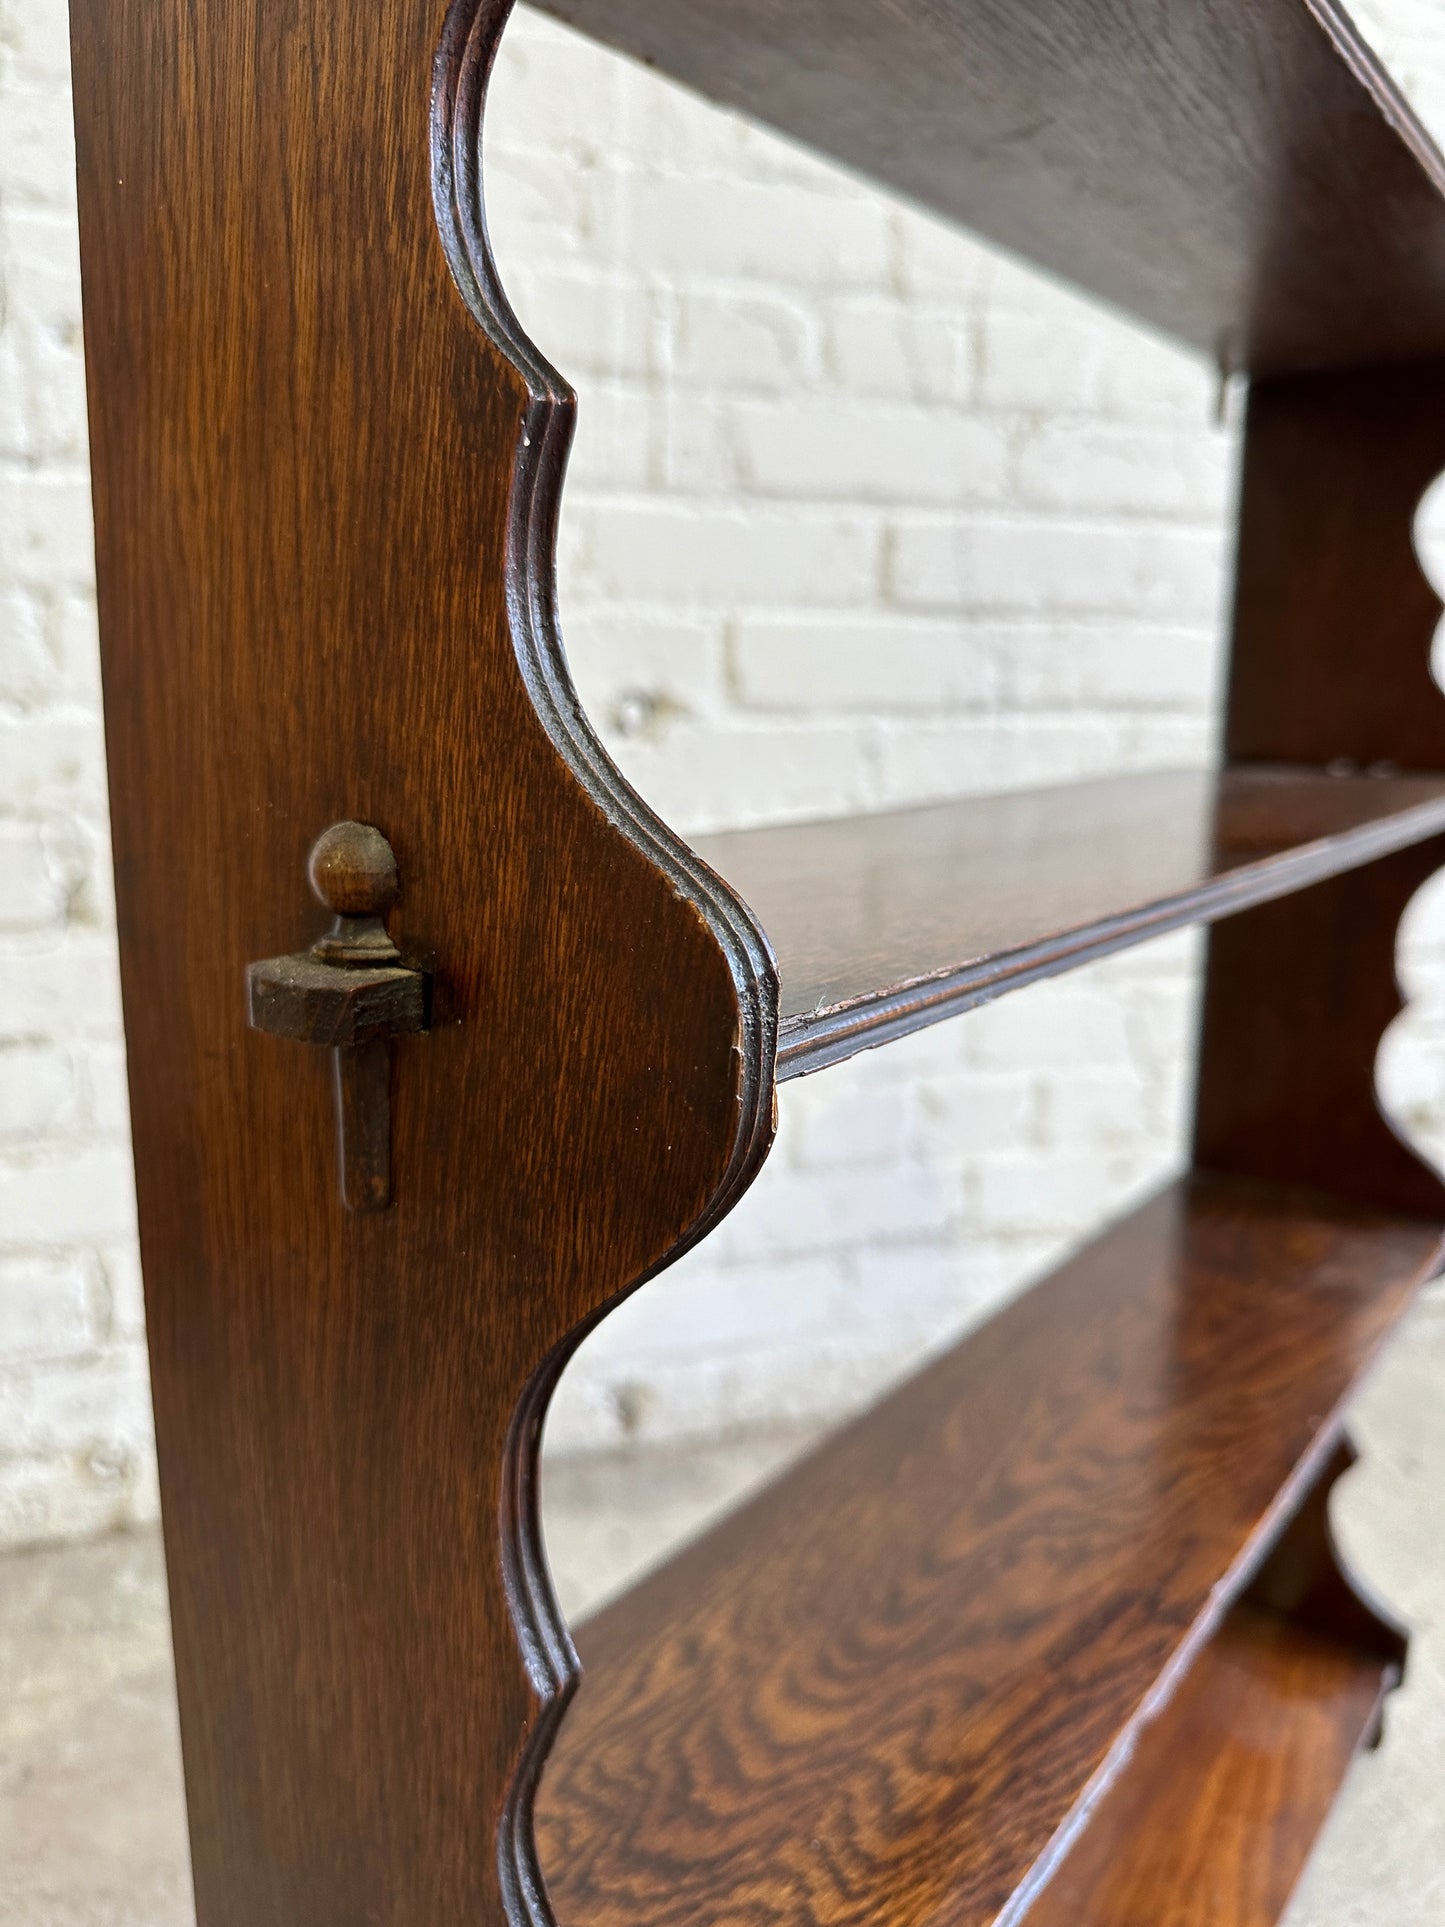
70, 987
121, 1266
733, 1308
31, 896
45, 528
69, 1197
539, 201
805, 1211
741, 340
1036, 362
978, 1112
696, 448
1060, 1025
551, 86
1115, 665
40, 257
705, 778
15, 425
924, 762
75, 1406
45, 1310
1098, 1108
1056, 1195
1032, 568
842, 1120
936, 259
701, 553
28, 671
776, 232
37, 144
102, 1069
841, 451
585, 320
887, 347
1124, 468
37, 1089
78, 650
673, 662
59, 1497
38, 34
50, 761
876, 663
614, 431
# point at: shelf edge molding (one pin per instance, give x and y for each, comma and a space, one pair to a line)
1106, 863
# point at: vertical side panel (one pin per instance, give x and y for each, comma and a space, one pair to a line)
326, 473
1334, 621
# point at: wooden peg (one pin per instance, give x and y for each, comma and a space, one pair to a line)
352, 992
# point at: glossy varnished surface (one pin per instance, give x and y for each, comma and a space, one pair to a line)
1238, 172
326, 470
884, 923
879, 1691
1211, 1823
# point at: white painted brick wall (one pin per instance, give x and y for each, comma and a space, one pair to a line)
861, 513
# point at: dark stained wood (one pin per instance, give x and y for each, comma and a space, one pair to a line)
353, 991
1298, 994
1334, 616
1240, 173
326, 474
884, 923
1212, 1821
1333, 625
880, 1691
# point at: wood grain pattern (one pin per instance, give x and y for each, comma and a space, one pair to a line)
880, 1690
326, 472
1239, 173
884, 923
1334, 617
1263, 1729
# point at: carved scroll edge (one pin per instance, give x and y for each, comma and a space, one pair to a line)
470, 36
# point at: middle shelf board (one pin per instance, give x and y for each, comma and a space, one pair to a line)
881, 1690
882, 924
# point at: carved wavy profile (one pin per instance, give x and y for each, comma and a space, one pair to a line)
462, 70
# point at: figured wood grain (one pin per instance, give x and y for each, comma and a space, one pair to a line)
885, 923
881, 1689
1212, 1821
326, 474
1240, 173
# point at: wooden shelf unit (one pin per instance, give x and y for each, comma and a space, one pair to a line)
1058, 1631
884, 923
888, 1687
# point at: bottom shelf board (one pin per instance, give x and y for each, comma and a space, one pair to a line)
1265, 1724
881, 1690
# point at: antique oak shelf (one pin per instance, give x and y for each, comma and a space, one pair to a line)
882, 924
1058, 1632
882, 1690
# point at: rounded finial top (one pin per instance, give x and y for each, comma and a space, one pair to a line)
353, 870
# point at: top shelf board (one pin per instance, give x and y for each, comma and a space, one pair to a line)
882, 924
1240, 174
